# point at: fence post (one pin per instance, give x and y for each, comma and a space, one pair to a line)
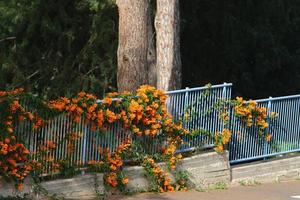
267, 129
228, 109
84, 147
224, 90
185, 105
223, 99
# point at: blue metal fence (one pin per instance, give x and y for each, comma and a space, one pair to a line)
246, 145
196, 101
195, 104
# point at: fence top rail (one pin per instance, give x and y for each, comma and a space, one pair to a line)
277, 98
183, 90
199, 88
113, 99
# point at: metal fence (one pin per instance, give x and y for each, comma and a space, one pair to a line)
198, 104
196, 101
246, 145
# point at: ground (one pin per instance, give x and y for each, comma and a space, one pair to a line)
272, 191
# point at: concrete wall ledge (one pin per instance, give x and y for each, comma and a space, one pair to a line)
268, 171
204, 170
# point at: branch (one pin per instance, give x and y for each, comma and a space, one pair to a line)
8, 38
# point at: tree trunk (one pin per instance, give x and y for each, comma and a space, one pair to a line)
167, 25
151, 54
133, 44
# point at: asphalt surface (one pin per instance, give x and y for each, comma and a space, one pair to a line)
273, 191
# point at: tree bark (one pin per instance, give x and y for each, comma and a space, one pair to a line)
167, 25
133, 44
151, 53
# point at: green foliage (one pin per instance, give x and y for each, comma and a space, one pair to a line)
252, 43
182, 178
15, 198
220, 186
58, 47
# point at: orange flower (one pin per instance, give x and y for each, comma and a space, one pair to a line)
14, 106
269, 137
81, 94
107, 100
113, 167
147, 132
10, 130
219, 148
111, 179
7, 140
39, 122
76, 118
170, 188
20, 186
125, 181
111, 116
30, 116
12, 162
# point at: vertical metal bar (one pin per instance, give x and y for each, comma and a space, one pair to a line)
269, 107
185, 104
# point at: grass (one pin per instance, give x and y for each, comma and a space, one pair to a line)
249, 183
220, 186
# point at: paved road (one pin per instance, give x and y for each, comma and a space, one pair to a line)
275, 191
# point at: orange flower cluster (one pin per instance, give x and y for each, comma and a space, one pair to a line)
111, 179
144, 113
13, 155
172, 159
44, 159
85, 106
71, 141
11, 92
111, 164
115, 161
251, 115
49, 145
221, 139
161, 178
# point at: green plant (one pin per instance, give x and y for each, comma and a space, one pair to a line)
182, 178
249, 182
220, 186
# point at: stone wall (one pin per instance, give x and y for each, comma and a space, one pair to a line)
205, 171
79, 187
8, 188
267, 171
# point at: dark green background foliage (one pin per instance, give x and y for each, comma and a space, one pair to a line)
253, 43
59, 47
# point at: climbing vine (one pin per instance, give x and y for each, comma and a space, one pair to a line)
143, 113
250, 114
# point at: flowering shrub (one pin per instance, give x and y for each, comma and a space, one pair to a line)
144, 114
221, 139
111, 165
250, 114
12, 150
161, 180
